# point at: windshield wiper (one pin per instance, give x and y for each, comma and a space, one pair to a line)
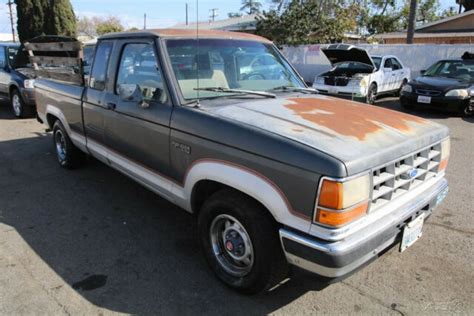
227, 90
299, 89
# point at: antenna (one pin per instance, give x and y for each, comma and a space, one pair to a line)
197, 53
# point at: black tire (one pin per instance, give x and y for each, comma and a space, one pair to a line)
269, 265
68, 155
19, 107
399, 92
371, 94
466, 110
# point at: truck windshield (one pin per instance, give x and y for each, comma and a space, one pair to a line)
228, 64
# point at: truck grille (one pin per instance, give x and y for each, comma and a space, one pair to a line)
336, 81
398, 177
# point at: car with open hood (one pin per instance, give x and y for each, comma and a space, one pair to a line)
16, 80
446, 85
358, 76
275, 173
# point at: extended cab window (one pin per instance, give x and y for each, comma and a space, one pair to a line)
101, 61
139, 66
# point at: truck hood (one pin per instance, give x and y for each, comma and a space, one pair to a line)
338, 53
361, 136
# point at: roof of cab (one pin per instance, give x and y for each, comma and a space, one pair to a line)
182, 33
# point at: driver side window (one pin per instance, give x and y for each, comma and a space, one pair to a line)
139, 66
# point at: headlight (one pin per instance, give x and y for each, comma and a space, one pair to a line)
319, 80
340, 203
461, 93
29, 84
445, 149
359, 80
471, 91
407, 88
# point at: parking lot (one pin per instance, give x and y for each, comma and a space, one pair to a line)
91, 241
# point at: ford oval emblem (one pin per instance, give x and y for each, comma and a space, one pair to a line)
410, 174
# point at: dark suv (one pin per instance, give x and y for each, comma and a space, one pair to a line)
16, 81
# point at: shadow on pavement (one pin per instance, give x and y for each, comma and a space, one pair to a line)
117, 244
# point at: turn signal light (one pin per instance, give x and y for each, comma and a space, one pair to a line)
341, 202
336, 219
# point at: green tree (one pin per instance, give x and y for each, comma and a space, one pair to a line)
109, 25
45, 17
311, 21
251, 6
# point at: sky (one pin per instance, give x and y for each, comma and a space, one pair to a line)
160, 13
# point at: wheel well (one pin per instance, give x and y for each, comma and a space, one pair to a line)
11, 89
51, 119
204, 189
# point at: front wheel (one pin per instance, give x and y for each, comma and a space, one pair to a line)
20, 109
68, 155
371, 94
467, 110
240, 242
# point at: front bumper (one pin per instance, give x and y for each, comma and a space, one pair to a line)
342, 91
438, 102
336, 259
28, 96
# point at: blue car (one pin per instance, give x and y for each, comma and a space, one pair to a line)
16, 81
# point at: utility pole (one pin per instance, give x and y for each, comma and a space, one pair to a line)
10, 3
187, 16
213, 14
411, 22
144, 21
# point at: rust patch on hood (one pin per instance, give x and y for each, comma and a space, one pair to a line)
348, 118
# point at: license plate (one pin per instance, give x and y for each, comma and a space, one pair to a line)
332, 90
424, 99
412, 232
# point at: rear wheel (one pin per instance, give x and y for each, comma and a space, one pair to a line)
371, 94
240, 242
68, 155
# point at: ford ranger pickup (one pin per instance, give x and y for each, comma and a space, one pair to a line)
276, 174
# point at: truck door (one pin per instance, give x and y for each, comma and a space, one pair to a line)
139, 130
94, 105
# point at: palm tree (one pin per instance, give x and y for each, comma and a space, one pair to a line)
252, 6
411, 22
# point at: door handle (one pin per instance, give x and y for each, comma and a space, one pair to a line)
111, 106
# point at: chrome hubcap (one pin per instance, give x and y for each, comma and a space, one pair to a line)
60, 143
231, 245
16, 104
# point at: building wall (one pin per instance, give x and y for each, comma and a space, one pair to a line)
309, 61
433, 40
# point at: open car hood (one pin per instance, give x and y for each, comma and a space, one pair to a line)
337, 53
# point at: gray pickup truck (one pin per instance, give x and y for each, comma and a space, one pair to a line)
276, 174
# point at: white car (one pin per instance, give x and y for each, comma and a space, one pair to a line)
359, 76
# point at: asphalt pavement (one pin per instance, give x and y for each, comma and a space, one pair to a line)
91, 241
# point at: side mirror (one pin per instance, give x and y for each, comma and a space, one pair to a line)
422, 71
387, 69
132, 93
